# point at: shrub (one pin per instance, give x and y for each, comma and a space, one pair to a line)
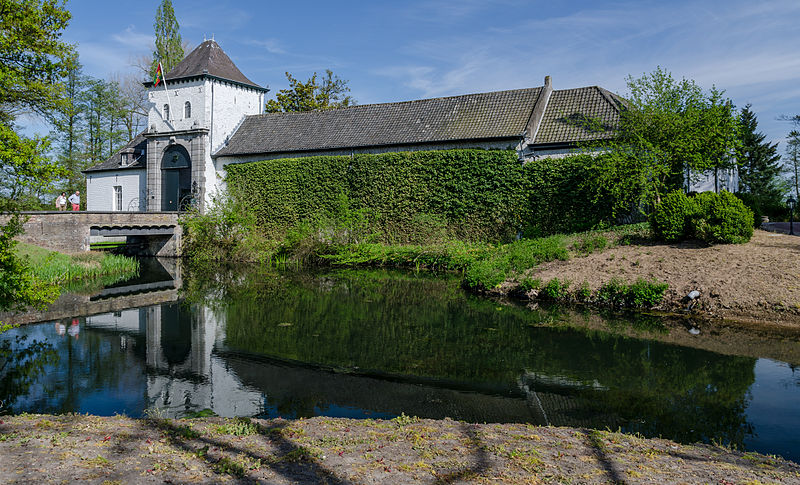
709, 217
642, 293
721, 218
527, 284
669, 219
555, 290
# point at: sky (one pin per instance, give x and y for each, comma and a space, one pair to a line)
404, 50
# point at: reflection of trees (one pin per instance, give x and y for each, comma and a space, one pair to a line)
94, 365
409, 325
22, 363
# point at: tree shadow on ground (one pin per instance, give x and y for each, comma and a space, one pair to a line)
595, 440
479, 468
292, 461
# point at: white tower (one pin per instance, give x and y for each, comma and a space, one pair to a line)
199, 104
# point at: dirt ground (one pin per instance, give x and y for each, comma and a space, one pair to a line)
114, 450
757, 281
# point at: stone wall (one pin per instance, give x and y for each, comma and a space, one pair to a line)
69, 231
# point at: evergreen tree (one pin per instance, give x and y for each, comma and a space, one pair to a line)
759, 161
169, 48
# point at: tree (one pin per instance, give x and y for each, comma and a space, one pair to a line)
310, 95
667, 129
33, 60
70, 127
169, 47
759, 161
791, 164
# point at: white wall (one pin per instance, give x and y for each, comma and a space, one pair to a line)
704, 181
231, 103
176, 95
100, 189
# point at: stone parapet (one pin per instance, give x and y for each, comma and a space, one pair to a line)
69, 232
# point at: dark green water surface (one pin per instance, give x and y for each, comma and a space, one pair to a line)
378, 344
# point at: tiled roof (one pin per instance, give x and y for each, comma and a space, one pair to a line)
209, 59
501, 114
114, 162
582, 114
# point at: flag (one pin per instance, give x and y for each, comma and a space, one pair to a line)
159, 75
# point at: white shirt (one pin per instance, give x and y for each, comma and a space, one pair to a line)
75, 199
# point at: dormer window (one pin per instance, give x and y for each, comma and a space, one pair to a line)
187, 110
166, 112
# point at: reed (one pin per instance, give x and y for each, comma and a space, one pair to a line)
58, 268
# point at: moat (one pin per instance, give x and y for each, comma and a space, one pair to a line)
375, 344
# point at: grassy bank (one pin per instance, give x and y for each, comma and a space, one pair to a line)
231, 233
71, 271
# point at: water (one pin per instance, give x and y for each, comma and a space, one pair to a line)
377, 344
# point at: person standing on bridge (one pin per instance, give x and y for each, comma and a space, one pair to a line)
61, 201
75, 200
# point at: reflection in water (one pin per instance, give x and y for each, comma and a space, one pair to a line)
375, 344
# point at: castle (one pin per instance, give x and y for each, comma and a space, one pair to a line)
207, 114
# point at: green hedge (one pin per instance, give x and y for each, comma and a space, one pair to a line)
476, 193
405, 196
709, 217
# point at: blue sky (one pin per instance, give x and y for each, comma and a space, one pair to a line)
392, 51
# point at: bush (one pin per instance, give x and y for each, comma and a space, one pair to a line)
709, 217
555, 290
641, 294
669, 219
721, 218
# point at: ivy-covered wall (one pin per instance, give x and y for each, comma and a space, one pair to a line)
476, 194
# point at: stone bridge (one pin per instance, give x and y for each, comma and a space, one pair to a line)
68, 231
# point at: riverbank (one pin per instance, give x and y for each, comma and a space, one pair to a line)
48, 449
753, 282
75, 271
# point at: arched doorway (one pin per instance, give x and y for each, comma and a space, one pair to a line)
176, 179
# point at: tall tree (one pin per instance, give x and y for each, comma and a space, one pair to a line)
169, 47
792, 161
33, 60
667, 129
69, 127
759, 161
312, 95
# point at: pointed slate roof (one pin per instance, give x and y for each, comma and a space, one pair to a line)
571, 116
208, 59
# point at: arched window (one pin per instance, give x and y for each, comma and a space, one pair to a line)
166, 112
187, 110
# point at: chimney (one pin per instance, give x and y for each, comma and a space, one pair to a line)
538, 111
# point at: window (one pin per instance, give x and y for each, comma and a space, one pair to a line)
166, 112
117, 202
187, 110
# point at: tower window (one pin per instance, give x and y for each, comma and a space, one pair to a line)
187, 110
166, 112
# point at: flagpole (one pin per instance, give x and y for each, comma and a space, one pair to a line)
169, 103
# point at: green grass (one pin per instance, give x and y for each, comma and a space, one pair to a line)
59, 269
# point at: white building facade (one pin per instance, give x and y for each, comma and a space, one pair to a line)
191, 113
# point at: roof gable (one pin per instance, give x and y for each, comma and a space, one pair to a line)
139, 148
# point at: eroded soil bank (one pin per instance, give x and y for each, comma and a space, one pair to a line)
757, 282
90, 449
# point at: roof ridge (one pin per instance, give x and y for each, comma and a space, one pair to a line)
410, 101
